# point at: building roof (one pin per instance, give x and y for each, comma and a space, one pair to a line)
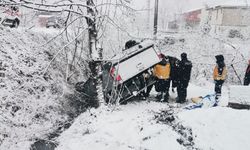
229, 6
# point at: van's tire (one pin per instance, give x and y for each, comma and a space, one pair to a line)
15, 23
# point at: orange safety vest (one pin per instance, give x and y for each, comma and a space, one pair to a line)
216, 74
162, 72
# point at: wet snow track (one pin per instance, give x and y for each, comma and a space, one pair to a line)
167, 117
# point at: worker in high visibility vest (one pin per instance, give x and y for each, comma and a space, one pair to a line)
162, 74
219, 75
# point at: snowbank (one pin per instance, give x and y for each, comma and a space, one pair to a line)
127, 127
239, 94
219, 128
31, 98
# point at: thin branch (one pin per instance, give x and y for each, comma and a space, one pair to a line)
61, 32
58, 52
50, 5
116, 4
46, 9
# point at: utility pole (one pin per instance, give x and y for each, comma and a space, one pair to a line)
95, 53
148, 18
156, 18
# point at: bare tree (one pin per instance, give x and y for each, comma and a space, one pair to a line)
95, 51
96, 15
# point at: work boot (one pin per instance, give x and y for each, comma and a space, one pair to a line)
217, 99
158, 96
180, 100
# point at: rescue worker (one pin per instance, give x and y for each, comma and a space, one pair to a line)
161, 72
174, 71
149, 80
247, 74
184, 73
219, 75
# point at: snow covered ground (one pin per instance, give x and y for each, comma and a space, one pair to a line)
31, 97
134, 126
219, 128
31, 104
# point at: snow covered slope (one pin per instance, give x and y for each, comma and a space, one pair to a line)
30, 101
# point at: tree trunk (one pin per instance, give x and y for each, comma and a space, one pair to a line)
95, 54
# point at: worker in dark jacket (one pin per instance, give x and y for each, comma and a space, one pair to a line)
174, 71
219, 75
184, 73
162, 74
247, 74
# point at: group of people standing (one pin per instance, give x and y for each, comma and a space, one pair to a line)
171, 69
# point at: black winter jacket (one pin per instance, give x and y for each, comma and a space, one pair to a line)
247, 76
184, 70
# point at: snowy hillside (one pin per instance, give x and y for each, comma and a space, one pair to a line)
31, 97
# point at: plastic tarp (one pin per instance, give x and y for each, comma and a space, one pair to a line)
202, 102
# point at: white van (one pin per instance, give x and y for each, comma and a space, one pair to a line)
126, 74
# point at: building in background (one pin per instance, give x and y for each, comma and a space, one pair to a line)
192, 18
222, 19
187, 20
226, 19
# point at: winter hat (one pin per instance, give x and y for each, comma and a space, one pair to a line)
184, 56
219, 58
162, 56
163, 61
130, 44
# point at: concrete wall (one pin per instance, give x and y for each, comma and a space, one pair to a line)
230, 16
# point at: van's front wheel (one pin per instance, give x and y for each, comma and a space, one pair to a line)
15, 23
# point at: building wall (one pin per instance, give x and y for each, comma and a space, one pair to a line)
245, 13
231, 17
216, 16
